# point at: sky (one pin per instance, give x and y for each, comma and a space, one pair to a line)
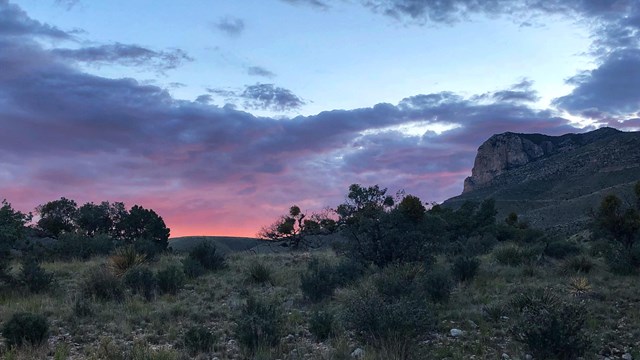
221, 114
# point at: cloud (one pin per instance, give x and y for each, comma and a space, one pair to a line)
260, 71
125, 54
262, 97
230, 26
15, 22
611, 88
315, 3
67, 4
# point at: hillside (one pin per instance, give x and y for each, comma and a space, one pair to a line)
553, 181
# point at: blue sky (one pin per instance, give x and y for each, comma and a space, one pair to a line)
221, 114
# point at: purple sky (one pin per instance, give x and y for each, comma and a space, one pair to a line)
92, 117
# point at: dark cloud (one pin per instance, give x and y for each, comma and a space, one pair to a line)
125, 54
262, 97
230, 26
315, 3
613, 87
15, 22
67, 4
260, 71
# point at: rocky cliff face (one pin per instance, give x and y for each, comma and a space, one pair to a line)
507, 151
553, 181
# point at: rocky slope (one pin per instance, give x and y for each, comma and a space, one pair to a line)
553, 181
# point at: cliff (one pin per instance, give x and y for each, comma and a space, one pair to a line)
553, 181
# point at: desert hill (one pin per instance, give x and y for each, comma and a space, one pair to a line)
553, 181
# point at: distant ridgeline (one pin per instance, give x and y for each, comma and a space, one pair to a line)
553, 181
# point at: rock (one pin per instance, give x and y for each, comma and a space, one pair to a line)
505, 356
456, 332
357, 353
528, 357
627, 356
472, 324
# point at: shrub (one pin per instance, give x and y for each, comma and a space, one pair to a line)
347, 271
578, 264
465, 268
171, 279
141, 281
438, 285
561, 249
551, 327
199, 339
207, 255
73, 245
192, 268
260, 273
260, 323
322, 324
149, 247
101, 284
493, 312
124, 259
509, 255
624, 262
82, 307
399, 280
25, 329
386, 322
34, 277
319, 281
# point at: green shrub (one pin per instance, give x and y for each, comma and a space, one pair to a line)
578, 264
347, 271
198, 339
124, 259
208, 256
399, 280
319, 281
149, 248
438, 285
624, 262
101, 284
551, 327
322, 324
493, 312
33, 276
82, 307
171, 279
141, 281
76, 246
508, 255
465, 268
561, 249
260, 324
192, 268
386, 322
260, 273
25, 329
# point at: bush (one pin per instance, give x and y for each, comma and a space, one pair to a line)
438, 286
386, 322
171, 279
259, 273
322, 324
551, 327
73, 245
82, 307
509, 255
141, 281
149, 247
207, 255
260, 323
347, 271
561, 249
199, 339
101, 284
465, 268
399, 280
624, 262
124, 259
319, 281
578, 264
34, 277
25, 329
192, 268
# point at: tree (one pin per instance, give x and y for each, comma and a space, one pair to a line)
622, 225
93, 219
57, 216
411, 206
144, 224
293, 230
12, 229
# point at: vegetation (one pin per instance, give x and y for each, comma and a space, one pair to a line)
401, 280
